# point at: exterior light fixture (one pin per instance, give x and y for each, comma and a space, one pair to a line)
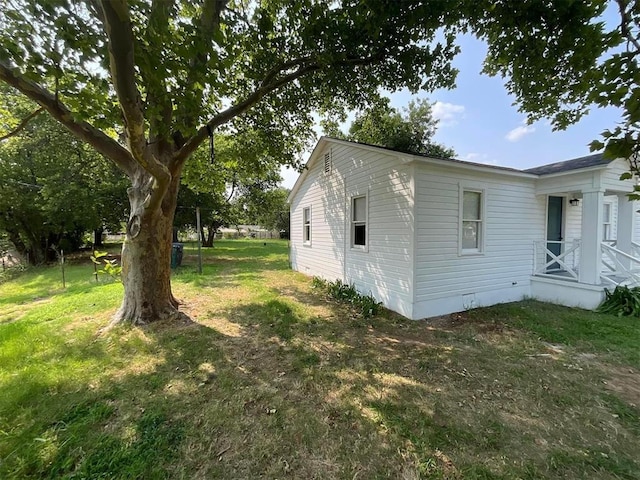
574, 202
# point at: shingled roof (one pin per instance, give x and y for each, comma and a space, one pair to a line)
594, 160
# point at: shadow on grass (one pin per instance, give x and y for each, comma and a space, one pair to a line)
39, 286
296, 386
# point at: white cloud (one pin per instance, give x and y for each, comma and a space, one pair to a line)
520, 131
446, 113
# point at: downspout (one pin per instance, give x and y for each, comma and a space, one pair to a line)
346, 234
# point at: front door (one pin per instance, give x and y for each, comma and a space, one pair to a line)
554, 229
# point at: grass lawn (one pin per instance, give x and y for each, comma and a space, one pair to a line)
273, 380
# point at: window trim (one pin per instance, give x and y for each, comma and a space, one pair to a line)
307, 241
352, 222
480, 250
609, 223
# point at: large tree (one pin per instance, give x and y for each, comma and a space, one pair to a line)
246, 164
268, 208
146, 82
410, 130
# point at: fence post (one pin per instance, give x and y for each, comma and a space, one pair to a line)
199, 239
64, 284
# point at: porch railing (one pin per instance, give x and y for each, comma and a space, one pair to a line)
618, 267
563, 264
635, 247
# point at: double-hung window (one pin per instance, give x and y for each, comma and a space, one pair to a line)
472, 222
606, 222
306, 225
359, 222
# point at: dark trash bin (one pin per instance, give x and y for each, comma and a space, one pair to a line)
176, 254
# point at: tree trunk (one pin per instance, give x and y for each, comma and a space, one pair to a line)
97, 237
203, 238
146, 259
207, 241
211, 235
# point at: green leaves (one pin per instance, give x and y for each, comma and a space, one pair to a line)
623, 301
54, 188
596, 146
385, 126
110, 266
560, 58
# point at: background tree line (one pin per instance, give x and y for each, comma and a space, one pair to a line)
56, 193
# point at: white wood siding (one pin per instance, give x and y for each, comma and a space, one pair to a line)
636, 221
572, 221
611, 177
568, 182
384, 269
514, 218
324, 257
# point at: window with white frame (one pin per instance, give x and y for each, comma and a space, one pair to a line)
606, 222
306, 225
359, 221
471, 228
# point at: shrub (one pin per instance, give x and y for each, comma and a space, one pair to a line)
109, 266
623, 301
365, 305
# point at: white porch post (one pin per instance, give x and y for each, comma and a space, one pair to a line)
625, 224
590, 250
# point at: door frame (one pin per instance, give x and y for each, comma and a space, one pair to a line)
563, 228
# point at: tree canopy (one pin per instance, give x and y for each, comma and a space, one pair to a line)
561, 59
268, 208
147, 82
53, 187
246, 166
409, 131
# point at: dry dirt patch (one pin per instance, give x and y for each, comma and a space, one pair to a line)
625, 382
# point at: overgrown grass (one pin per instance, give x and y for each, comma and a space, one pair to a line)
273, 380
364, 306
615, 337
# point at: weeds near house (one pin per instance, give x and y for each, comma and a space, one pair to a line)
623, 301
273, 381
365, 305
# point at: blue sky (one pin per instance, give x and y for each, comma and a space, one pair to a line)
479, 121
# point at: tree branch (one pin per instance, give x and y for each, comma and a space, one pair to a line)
117, 25
119, 31
83, 130
269, 84
22, 124
233, 189
624, 25
157, 99
206, 24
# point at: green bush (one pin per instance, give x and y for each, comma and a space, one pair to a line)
9, 272
365, 305
109, 266
623, 301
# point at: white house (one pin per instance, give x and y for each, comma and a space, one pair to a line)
429, 236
